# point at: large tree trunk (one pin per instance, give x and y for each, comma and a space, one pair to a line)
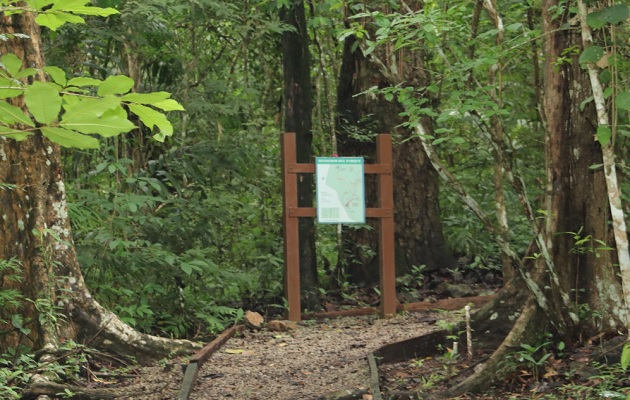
419, 236
576, 209
298, 119
35, 232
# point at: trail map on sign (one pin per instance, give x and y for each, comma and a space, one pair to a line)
340, 190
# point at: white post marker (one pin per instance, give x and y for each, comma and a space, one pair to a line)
469, 346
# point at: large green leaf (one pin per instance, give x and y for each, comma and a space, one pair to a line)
16, 134
57, 19
118, 84
10, 114
84, 81
152, 118
169, 105
10, 89
79, 7
25, 73
11, 63
91, 107
623, 101
39, 4
57, 74
604, 134
146, 98
609, 15
43, 101
106, 126
591, 54
66, 138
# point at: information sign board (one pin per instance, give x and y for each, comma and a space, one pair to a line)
340, 186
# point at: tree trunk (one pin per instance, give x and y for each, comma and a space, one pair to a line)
577, 206
576, 216
419, 237
297, 118
35, 232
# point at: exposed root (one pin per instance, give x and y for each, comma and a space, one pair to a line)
105, 331
55, 390
528, 324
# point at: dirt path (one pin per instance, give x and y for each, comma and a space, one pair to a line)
315, 359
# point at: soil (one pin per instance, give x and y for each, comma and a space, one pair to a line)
326, 359
318, 358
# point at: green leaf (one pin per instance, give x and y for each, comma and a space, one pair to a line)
84, 81
10, 114
57, 19
152, 118
118, 84
591, 54
79, 7
594, 21
94, 107
169, 105
66, 138
43, 101
625, 356
146, 98
6, 88
39, 4
614, 14
25, 73
11, 63
69, 3
57, 74
14, 133
609, 15
603, 135
605, 77
623, 101
106, 126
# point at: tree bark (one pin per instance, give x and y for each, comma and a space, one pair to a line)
576, 217
298, 119
419, 236
35, 231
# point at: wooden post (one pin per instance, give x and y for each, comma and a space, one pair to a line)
386, 231
385, 212
291, 228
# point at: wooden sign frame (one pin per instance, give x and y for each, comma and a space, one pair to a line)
384, 212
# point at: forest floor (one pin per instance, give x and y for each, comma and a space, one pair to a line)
326, 359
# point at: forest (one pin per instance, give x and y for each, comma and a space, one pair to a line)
141, 181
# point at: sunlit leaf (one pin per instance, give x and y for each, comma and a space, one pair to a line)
66, 138
25, 73
107, 126
43, 101
55, 20
90, 107
84, 81
11, 63
152, 118
79, 7
14, 133
57, 74
146, 98
10, 114
169, 105
118, 84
